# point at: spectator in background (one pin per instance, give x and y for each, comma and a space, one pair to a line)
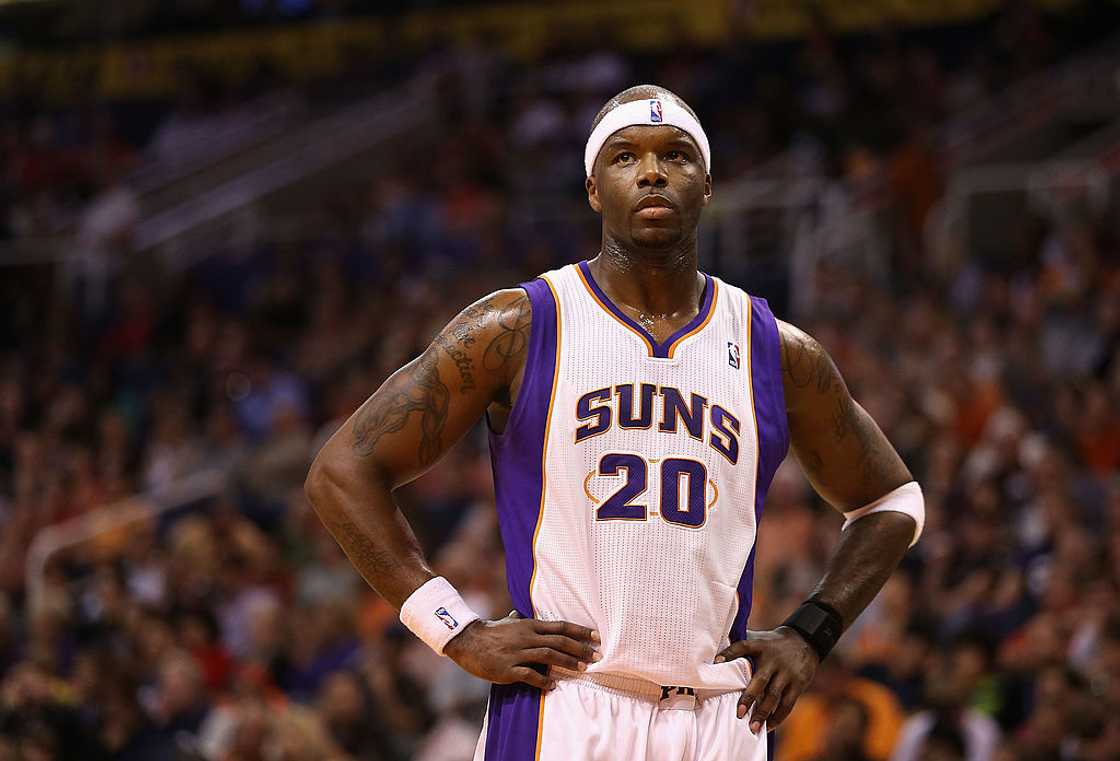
178, 703
953, 685
846, 735
834, 690
347, 712
944, 742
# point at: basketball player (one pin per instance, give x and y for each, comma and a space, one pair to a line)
637, 410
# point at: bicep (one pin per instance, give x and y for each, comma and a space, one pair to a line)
843, 452
425, 407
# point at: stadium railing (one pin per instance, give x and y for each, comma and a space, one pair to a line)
292, 157
1085, 84
217, 139
773, 232
51, 541
981, 204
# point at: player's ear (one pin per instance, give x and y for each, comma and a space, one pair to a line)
707, 188
593, 195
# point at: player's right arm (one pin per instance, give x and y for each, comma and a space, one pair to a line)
475, 363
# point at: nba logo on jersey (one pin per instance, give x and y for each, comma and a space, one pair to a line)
733, 354
448, 620
655, 112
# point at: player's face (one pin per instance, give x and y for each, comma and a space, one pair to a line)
649, 185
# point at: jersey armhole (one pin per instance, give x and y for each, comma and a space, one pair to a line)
768, 388
540, 356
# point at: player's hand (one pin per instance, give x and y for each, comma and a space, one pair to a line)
784, 667
503, 651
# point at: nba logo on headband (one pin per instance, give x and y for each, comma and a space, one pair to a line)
645, 111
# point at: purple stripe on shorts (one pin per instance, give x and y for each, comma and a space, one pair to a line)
773, 434
516, 455
512, 722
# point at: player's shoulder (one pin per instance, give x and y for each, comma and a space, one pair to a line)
502, 300
796, 339
501, 311
514, 305
807, 367
487, 339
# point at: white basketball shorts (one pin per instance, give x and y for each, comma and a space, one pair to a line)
583, 719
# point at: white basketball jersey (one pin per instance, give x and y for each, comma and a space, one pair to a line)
631, 475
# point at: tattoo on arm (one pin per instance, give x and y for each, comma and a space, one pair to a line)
425, 394
502, 320
458, 353
828, 420
850, 463
805, 362
506, 347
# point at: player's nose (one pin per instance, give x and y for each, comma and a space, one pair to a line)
651, 173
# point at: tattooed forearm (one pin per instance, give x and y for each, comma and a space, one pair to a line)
419, 389
384, 550
404, 428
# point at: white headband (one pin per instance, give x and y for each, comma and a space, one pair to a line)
653, 111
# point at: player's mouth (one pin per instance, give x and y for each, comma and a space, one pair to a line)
655, 207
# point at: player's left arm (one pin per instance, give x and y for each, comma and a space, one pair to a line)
851, 465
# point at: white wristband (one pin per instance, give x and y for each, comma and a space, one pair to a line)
905, 499
436, 613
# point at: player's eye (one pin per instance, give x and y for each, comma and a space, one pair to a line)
624, 157
676, 156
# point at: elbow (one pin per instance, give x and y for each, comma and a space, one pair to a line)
335, 480
326, 481
316, 483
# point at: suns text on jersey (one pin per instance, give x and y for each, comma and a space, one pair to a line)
632, 406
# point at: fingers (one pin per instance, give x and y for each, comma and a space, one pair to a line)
567, 629
741, 649
754, 692
583, 650
530, 676
789, 700
767, 702
549, 656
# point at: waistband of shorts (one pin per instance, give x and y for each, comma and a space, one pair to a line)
622, 685
639, 689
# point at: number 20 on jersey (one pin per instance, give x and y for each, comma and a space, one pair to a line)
683, 493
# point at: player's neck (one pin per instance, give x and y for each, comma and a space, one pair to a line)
662, 284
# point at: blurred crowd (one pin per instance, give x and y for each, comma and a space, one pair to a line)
131, 19
832, 104
232, 628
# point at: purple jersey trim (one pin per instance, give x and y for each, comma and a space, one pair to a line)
517, 454
773, 434
513, 722
658, 349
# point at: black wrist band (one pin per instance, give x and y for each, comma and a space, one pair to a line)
819, 623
